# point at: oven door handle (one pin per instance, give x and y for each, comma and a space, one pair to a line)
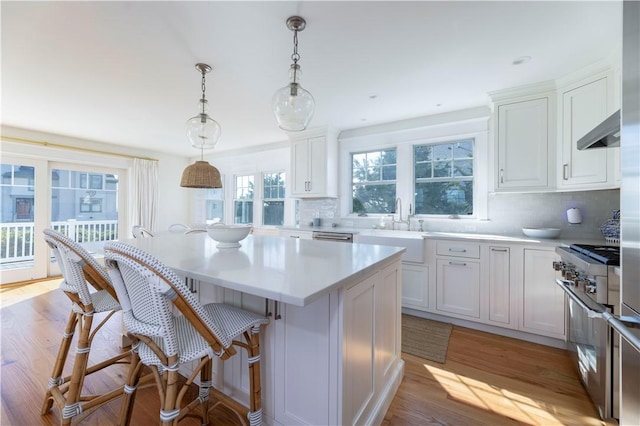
591, 313
622, 325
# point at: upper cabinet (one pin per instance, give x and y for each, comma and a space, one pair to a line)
584, 105
524, 142
314, 164
536, 129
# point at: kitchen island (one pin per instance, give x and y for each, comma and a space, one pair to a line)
331, 353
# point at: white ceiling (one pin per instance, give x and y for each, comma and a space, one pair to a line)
123, 72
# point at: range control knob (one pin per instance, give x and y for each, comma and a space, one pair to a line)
558, 265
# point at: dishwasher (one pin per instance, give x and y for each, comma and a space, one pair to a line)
342, 237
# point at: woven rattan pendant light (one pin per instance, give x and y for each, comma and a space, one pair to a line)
203, 132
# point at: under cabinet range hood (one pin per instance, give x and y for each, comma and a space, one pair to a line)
605, 134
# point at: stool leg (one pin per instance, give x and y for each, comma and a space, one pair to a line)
205, 384
130, 387
169, 411
76, 381
63, 352
255, 389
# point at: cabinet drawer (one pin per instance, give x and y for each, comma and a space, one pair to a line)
454, 248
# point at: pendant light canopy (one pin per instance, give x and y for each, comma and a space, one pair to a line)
203, 133
292, 105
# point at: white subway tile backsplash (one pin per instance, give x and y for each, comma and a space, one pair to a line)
508, 213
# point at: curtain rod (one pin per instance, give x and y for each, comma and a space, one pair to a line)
77, 148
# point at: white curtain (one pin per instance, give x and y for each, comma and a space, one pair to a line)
144, 194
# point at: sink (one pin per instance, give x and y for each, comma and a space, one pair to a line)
413, 242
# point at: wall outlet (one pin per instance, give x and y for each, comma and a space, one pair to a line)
469, 228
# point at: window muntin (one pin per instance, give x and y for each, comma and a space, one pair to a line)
444, 178
373, 181
273, 189
243, 202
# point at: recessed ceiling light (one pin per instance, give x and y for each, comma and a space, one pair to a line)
438, 105
373, 96
521, 60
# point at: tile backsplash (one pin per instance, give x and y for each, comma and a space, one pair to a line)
508, 214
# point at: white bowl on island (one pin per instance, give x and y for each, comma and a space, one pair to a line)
228, 236
541, 232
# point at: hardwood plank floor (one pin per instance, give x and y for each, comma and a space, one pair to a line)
486, 380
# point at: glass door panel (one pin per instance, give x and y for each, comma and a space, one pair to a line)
84, 203
23, 199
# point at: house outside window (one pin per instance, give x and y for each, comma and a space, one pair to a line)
214, 205
444, 178
373, 182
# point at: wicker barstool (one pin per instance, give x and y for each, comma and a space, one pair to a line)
79, 270
149, 291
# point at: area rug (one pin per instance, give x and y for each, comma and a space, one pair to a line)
425, 338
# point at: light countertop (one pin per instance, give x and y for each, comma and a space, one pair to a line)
287, 270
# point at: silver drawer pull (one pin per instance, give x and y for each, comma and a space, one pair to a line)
457, 264
457, 250
500, 250
294, 236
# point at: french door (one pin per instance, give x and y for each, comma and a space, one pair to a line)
81, 201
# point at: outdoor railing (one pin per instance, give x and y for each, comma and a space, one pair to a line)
18, 237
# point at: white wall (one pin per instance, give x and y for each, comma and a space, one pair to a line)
173, 200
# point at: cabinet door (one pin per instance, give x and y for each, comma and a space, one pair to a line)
302, 359
299, 167
523, 145
543, 310
415, 286
303, 235
583, 108
499, 285
317, 166
458, 287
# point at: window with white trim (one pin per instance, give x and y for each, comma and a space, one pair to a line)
444, 178
273, 191
243, 199
373, 181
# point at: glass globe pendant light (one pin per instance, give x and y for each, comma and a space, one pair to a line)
203, 132
292, 105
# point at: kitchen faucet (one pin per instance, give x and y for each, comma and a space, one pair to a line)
398, 208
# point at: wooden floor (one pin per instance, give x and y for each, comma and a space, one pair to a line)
486, 380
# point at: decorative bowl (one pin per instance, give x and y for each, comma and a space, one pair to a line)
541, 232
228, 236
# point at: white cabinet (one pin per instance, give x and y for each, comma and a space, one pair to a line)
336, 360
290, 233
458, 278
543, 303
314, 165
525, 137
583, 108
500, 291
415, 286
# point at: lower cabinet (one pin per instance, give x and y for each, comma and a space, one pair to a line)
506, 285
543, 302
458, 287
500, 294
415, 286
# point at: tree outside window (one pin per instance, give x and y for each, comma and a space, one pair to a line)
273, 198
243, 202
444, 178
373, 181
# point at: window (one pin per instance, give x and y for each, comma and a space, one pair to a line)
444, 178
373, 181
214, 205
243, 202
273, 198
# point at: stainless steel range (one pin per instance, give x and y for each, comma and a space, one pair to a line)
593, 289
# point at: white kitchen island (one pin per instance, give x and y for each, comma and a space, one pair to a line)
331, 353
